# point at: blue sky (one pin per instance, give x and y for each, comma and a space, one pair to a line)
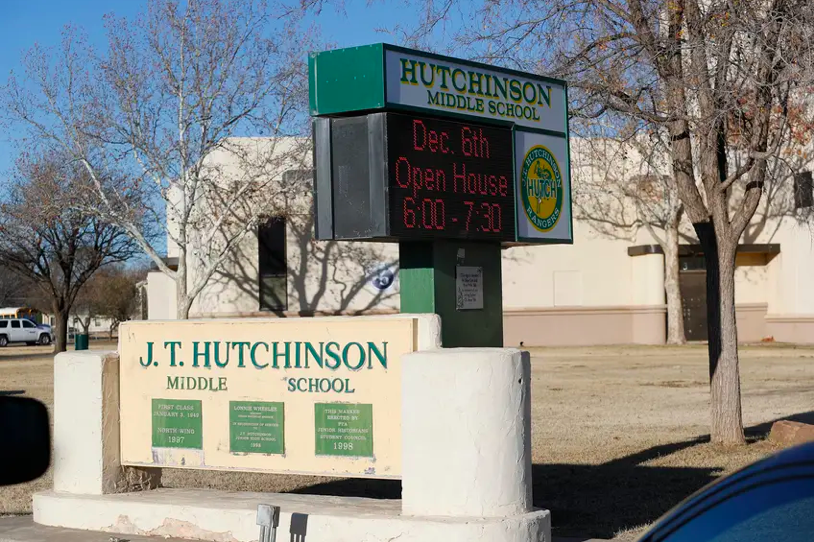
26, 22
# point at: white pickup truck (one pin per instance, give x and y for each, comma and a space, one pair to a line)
21, 330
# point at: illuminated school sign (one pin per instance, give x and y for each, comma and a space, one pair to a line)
411, 145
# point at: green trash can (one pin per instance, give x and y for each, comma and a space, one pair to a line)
80, 341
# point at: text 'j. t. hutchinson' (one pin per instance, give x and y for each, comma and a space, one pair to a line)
287, 356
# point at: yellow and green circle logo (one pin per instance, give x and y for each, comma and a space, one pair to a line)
541, 186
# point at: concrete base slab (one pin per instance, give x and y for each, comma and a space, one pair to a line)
219, 516
23, 529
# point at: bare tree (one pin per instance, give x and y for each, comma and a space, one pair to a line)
166, 105
715, 75
11, 288
111, 294
784, 199
20, 291
622, 182
49, 243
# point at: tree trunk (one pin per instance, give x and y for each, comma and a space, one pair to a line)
675, 308
61, 336
183, 303
725, 398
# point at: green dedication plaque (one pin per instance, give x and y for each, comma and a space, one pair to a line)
256, 428
177, 424
343, 429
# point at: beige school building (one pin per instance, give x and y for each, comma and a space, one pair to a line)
603, 289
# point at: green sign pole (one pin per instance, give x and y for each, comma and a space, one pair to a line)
459, 281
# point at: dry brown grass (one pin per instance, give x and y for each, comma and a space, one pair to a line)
618, 432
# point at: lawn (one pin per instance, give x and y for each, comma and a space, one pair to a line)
618, 432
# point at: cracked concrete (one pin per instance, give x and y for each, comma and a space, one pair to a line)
171, 527
23, 529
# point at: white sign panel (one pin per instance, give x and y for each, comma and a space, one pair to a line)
445, 86
468, 288
305, 395
543, 181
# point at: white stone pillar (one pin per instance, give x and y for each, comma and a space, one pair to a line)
86, 422
466, 433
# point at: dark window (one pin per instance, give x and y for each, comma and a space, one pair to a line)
803, 190
272, 264
15, 323
691, 263
27, 323
3, 324
298, 177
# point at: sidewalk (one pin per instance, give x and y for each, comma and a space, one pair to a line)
23, 529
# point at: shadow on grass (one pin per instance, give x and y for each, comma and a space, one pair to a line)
584, 500
593, 500
601, 500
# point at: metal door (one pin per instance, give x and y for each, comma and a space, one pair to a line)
692, 281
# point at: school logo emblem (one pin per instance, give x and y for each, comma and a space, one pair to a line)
541, 188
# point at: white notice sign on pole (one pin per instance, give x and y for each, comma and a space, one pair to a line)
468, 288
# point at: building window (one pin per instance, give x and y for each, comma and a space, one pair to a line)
272, 265
298, 176
803, 190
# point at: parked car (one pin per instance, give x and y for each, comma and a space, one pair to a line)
771, 500
22, 330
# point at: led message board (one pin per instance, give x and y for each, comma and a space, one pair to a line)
392, 176
449, 179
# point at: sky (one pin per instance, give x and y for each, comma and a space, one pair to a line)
26, 22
